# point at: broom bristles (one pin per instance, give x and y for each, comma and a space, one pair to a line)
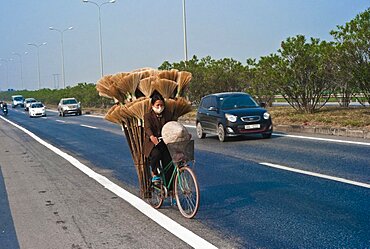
182, 107
170, 105
145, 86
168, 74
165, 87
103, 86
113, 114
183, 80
127, 84
138, 109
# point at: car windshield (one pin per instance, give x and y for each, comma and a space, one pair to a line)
69, 101
30, 100
37, 105
237, 102
18, 98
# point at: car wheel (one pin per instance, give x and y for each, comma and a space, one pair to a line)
221, 133
63, 114
200, 133
266, 135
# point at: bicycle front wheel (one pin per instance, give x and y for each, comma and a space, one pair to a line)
156, 195
187, 192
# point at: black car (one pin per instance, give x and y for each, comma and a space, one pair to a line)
230, 114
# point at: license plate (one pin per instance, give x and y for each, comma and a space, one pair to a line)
252, 126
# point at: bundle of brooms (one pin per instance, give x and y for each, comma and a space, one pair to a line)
132, 92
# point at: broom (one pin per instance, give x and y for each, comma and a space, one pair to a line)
103, 86
113, 115
127, 85
182, 107
170, 105
165, 87
183, 80
145, 86
168, 74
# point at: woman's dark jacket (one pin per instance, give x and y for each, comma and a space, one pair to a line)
153, 124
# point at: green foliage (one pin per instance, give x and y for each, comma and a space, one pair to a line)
83, 92
353, 42
210, 76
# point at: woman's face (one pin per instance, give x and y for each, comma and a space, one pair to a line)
158, 104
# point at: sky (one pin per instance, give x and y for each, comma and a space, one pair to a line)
145, 33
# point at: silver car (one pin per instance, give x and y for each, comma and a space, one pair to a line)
69, 106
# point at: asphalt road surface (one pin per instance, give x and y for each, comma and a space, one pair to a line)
283, 192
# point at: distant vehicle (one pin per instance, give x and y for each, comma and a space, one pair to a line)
69, 106
232, 113
17, 100
36, 109
4, 107
28, 102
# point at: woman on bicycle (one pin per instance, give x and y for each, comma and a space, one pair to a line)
154, 149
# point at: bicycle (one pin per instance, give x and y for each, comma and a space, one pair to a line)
183, 181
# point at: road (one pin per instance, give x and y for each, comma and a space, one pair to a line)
283, 192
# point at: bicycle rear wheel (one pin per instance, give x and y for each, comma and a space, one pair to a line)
156, 198
187, 192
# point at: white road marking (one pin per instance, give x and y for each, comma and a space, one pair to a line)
323, 139
333, 178
88, 126
60, 121
170, 225
309, 138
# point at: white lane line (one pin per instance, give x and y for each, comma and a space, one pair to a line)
323, 139
88, 126
310, 138
333, 178
60, 121
170, 225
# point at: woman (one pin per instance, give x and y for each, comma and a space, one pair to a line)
153, 122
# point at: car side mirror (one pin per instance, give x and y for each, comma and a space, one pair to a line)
213, 109
263, 104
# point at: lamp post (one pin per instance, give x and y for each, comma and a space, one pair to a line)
62, 46
38, 59
184, 29
100, 36
7, 71
21, 62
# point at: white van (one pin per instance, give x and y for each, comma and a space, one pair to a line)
17, 100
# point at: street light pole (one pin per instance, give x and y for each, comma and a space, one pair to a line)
184, 29
62, 46
100, 35
38, 60
7, 71
21, 61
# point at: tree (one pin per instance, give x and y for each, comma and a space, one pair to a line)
305, 73
354, 41
264, 78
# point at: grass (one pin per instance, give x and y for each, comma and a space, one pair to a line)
353, 117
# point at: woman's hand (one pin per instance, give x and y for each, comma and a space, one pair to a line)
154, 140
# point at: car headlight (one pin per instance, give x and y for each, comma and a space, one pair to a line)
231, 118
266, 115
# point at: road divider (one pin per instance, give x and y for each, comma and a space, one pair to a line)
170, 225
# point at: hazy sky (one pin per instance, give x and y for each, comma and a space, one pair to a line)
145, 33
